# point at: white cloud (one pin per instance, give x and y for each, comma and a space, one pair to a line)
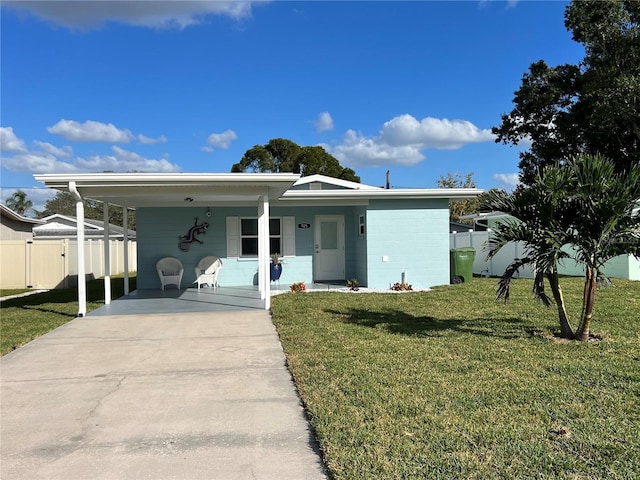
510, 180
9, 142
220, 140
64, 152
442, 134
403, 138
370, 152
37, 162
90, 131
164, 14
150, 141
125, 161
324, 122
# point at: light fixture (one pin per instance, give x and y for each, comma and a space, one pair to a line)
188, 199
208, 212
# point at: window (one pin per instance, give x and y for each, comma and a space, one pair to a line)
242, 236
361, 229
249, 237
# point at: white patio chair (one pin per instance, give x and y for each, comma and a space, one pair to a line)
207, 271
170, 271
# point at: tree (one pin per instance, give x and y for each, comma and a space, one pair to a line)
460, 208
18, 202
64, 203
282, 155
593, 107
582, 203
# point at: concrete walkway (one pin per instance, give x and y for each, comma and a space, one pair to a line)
155, 396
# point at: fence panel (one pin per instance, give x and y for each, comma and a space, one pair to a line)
54, 263
13, 256
496, 265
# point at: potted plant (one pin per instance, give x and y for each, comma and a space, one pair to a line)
276, 267
298, 287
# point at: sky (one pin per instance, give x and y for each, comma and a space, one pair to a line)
162, 86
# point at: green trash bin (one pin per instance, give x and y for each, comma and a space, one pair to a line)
462, 264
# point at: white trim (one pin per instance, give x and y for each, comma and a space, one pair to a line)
408, 193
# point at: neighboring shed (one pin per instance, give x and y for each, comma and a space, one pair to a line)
16, 227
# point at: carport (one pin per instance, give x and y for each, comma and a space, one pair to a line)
134, 190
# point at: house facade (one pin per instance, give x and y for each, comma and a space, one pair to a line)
325, 229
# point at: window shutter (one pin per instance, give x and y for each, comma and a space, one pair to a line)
233, 237
289, 236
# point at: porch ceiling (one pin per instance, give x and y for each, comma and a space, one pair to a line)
174, 189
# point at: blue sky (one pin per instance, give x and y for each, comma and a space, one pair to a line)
410, 87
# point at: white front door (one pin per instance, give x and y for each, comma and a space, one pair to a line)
329, 248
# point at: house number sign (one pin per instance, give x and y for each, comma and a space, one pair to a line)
304, 226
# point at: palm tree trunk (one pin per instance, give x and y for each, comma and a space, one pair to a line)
588, 299
565, 328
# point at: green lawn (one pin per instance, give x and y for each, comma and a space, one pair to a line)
450, 384
26, 318
5, 292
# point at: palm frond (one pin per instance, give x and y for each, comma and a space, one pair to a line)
504, 284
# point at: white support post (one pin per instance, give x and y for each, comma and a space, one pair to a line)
82, 276
107, 257
263, 251
125, 247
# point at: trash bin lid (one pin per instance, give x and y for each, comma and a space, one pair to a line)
463, 249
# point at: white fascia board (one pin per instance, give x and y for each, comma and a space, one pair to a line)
61, 180
449, 193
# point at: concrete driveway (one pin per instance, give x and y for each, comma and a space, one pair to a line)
155, 396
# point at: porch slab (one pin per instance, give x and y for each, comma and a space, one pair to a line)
199, 395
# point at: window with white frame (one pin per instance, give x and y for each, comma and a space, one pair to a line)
242, 236
249, 237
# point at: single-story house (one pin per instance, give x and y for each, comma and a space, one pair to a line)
58, 226
14, 226
326, 229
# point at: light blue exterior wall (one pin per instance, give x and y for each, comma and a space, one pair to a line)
413, 235
159, 230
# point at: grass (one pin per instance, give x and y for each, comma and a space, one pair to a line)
450, 384
5, 292
26, 318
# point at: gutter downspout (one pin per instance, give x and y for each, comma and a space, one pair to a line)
82, 276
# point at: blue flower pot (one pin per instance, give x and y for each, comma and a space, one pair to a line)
276, 271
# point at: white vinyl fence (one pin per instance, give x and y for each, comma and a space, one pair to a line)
624, 266
54, 263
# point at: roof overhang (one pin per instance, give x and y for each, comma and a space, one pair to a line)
7, 212
174, 189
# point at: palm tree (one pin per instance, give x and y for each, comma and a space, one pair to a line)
536, 221
606, 224
580, 203
18, 202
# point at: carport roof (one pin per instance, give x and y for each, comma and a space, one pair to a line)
174, 189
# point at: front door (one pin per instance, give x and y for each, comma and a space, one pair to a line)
329, 248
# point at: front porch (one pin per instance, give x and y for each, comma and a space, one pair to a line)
192, 300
